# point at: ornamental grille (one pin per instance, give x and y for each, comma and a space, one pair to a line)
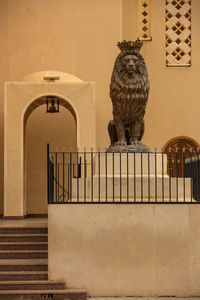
178, 32
144, 19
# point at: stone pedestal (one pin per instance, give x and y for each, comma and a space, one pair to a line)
133, 177
131, 163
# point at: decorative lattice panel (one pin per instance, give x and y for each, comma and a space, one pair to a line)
144, 19
178, 32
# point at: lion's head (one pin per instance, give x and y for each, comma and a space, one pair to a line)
130, 73
130, 63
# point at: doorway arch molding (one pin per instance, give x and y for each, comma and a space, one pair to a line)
18, 97
174, 142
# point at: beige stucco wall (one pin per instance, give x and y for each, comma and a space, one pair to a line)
126, 250
173, 107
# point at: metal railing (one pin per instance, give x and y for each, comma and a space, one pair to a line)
102, 177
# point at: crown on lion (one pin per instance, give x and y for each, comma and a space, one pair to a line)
130, 45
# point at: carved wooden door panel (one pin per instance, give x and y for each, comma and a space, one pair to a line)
177, 150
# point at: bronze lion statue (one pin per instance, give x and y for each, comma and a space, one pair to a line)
129, 90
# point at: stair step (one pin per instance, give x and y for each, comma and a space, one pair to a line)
23, 230
23, 238
24, 251
26, 254
23, 265
26, 275
55, 294
23, 246
32, 285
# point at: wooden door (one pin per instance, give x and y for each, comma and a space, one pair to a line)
177, 150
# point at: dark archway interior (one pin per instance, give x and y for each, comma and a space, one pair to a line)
57, 129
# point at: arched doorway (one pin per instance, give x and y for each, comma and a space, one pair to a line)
178, 149
17, 99
57, 129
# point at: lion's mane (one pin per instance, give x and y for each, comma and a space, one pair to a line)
129, 94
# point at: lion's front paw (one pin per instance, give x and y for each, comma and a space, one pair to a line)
136, 142
121, 143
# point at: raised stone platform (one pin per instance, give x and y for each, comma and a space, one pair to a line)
126, 250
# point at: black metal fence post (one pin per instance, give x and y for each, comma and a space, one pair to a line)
92, 174
170, 173
156, 175
183, 164
198, 176
48, 177
99, 176
127, 175
149, 189
106, 175
63, 169
85, 174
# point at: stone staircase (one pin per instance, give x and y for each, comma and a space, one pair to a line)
24, 266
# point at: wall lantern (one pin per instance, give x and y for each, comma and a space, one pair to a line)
52, 104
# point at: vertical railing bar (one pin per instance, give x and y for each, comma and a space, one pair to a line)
48, 177
120, 175
191, 179
68, 182
170, 176
77, 173
99, 189
92, 174
148, 177
134, 177
155, 176
127, 180
163, 196
70, 165
177, 173
106, 169
85, 174
52, 196
198, 181
183, 159
49, 188
58, 182
113, 179
53, 177
56, 189
63, 176
141, 176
